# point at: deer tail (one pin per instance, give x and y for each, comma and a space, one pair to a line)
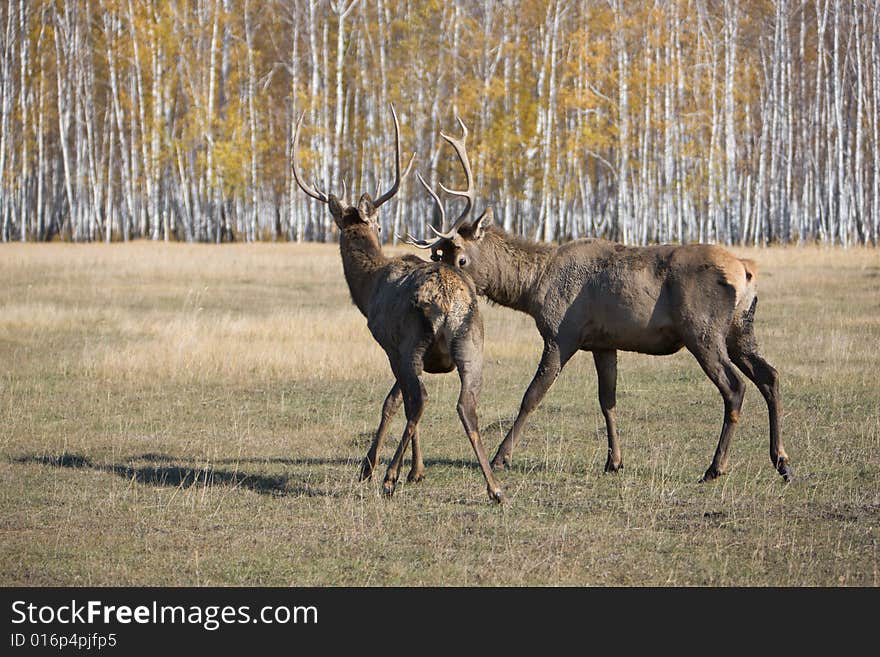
751, 268
747, 297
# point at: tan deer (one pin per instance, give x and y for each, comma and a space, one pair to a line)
598, 296
425, 315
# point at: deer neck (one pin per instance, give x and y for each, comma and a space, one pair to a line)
362, 262
514, 270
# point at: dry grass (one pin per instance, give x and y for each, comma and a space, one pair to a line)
179, 415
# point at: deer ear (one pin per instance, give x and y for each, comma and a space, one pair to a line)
486, 219
336, 209
366, 208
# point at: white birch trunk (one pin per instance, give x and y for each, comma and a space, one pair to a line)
731, 189
24, 106
842, 214
62, 26
875, 127
41, 148
252, 121
214, 226
623, 127
6, 95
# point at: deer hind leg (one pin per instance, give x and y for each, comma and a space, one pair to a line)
714, 360
606, 369
470, 373
417, 468
548, 369
414, 396
389, 409
744, 354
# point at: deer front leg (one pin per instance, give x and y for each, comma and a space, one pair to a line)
549, 368
606, 369
389, 409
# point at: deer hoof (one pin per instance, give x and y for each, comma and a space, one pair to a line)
612, 467
415, 477
366, 470
785, 470
710, 474
388, 488
500, 461
496, 496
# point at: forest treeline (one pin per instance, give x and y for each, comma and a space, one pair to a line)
734, 121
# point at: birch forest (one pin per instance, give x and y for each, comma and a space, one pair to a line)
730, 121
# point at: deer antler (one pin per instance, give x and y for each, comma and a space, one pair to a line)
312, 190
397, 178
436, 200
469, 193
409, 239
425, 244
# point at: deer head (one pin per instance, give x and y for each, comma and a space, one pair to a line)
366, 213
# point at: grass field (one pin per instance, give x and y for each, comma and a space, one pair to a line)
196, 415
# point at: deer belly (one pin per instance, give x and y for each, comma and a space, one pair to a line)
658, 342
644, 330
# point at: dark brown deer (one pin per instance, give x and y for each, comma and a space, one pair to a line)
598, 296
425, 315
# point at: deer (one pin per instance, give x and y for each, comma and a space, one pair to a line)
599, 296
425, 316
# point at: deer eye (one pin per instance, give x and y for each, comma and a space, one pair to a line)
462, 262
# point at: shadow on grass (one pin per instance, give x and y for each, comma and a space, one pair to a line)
162, 473
523, 465
184, 477
352, 462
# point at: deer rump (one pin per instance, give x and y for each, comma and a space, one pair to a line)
431, 296
643, 299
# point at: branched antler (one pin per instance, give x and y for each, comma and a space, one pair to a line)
397, 177
461, 151
313, 190
468, 194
